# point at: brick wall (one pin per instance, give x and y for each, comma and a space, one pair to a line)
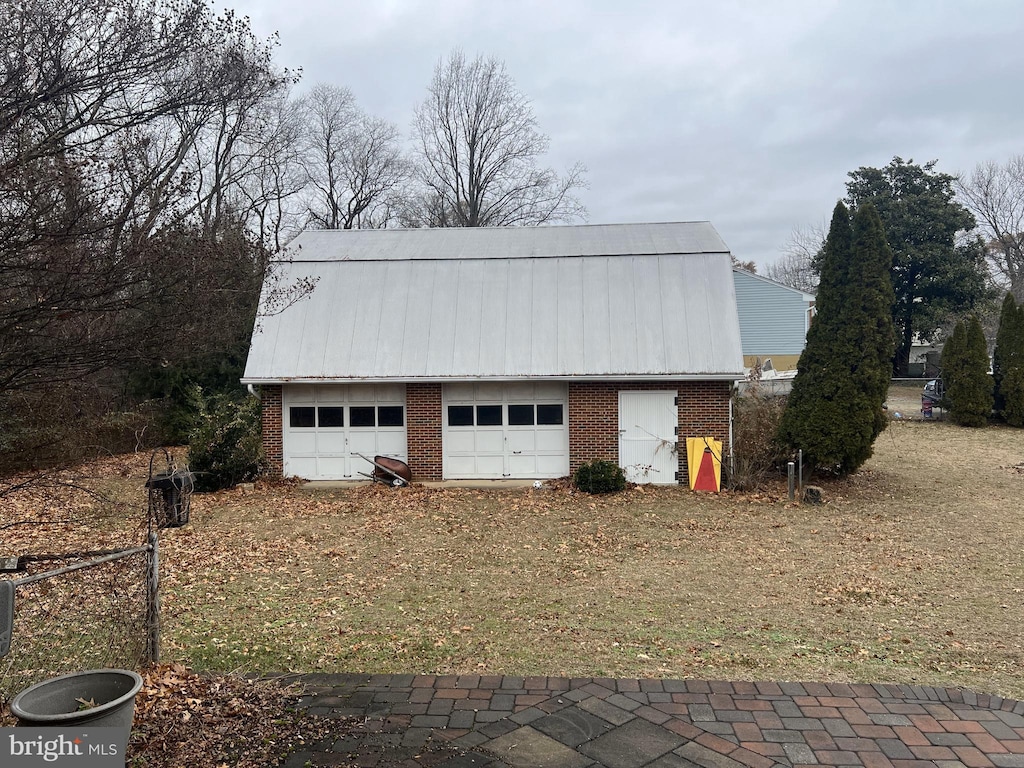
593, 421
273, 445
423, 427
594, 416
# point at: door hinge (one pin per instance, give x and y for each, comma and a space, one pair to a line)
675, 401
675, 431
677, 477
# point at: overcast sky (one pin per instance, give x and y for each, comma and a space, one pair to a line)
747, 114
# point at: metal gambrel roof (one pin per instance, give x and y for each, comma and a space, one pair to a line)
620, 301
505, 242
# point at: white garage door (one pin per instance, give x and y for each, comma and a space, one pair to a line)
327, 425
506, 430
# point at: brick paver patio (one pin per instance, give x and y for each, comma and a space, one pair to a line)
572, 723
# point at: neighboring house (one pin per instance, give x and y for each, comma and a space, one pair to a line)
774, 320
925, 357
500, 352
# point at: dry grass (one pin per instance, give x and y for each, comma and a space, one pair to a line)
912, 572
905, 399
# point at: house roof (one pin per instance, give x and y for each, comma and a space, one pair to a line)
804, 296
608, 301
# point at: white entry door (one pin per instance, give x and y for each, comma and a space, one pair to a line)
648, 443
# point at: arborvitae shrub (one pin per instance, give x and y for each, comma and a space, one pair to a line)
1005, 346
954, 355
600, 476
1008, 363
1013, 396
834, 412
965, 371
981, 399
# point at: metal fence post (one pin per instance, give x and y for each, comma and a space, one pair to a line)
153, 601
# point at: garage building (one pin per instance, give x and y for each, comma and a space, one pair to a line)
497, 353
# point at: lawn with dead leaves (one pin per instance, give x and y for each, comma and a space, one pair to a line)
911, 572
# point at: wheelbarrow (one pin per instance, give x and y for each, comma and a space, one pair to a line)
388, 471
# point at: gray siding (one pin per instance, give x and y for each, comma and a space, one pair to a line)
773, 317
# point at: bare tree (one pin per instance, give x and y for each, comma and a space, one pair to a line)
746, 266
796, 268
478, 151
353, 163
995, 195
124, 127
271, 191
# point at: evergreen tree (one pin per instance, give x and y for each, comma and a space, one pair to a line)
1005, 348
954, 351
872, 259
936, 272
965, 371
834, 412
1008, 363
1013, 393
979, 379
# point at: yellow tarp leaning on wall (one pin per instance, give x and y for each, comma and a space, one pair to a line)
704, 461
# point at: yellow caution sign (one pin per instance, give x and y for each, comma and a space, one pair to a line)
704, 460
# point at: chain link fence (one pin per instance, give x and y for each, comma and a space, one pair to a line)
92, 618
84, 570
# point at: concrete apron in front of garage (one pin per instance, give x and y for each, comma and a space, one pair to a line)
576, 723
316, 485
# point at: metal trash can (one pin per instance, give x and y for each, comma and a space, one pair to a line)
170, 495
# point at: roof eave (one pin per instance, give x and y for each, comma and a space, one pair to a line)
256, 380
